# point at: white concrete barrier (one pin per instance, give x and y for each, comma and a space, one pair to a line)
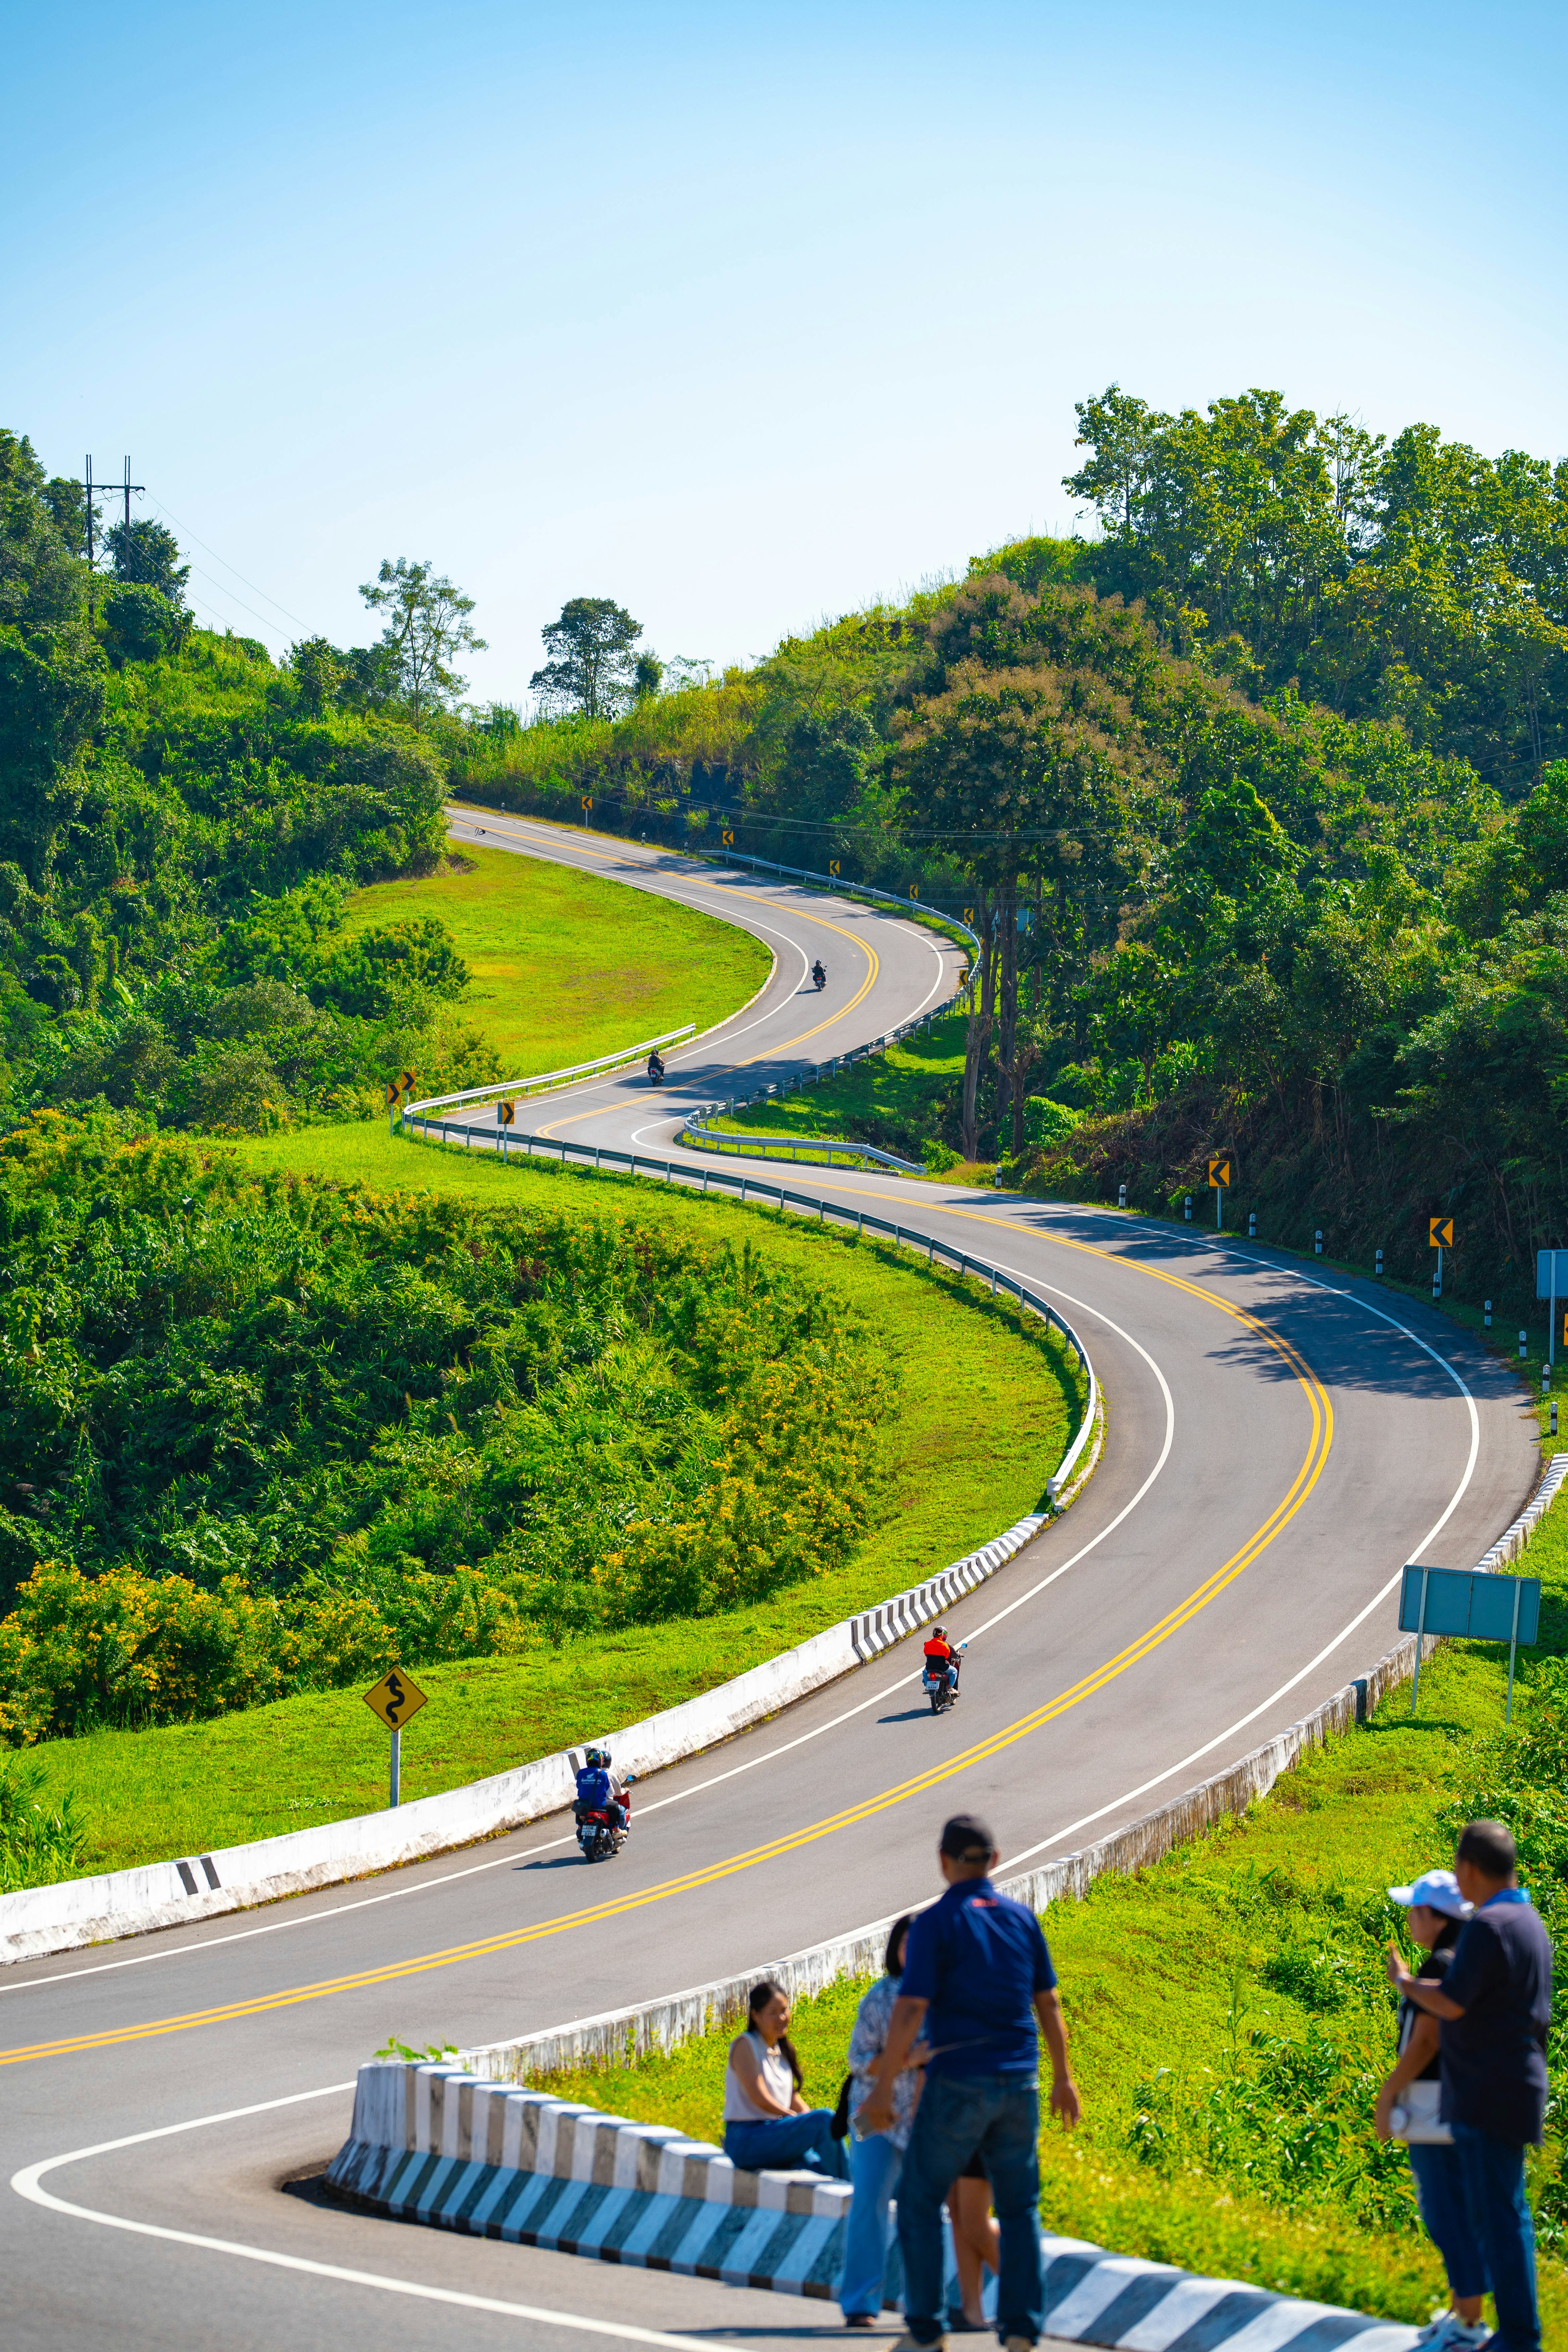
76, 1911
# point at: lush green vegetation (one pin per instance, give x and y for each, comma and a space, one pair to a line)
901, 1101
976, 1413
1229, 2018
564, 966
1260, 799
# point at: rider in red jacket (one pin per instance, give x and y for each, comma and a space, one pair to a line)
940, 1657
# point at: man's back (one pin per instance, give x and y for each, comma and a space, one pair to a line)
1494, 2057
979, 1958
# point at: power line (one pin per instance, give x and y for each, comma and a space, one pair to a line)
228, 566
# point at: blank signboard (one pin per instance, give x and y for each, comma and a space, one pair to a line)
1479, 1608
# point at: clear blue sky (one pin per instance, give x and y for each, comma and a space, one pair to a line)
738, 314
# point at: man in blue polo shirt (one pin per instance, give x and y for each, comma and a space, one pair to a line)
1495, 2005
977, 1987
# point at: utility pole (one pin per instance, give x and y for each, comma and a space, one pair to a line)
127, 485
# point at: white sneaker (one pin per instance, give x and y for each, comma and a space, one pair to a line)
1447, 2332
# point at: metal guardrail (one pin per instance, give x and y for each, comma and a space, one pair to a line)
603, 1158
835, 883
503, 1087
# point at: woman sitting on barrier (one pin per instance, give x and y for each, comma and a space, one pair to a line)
766, 2121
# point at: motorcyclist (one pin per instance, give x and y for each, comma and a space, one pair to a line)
655, 1066
819, 974
602, 1787
941, 1658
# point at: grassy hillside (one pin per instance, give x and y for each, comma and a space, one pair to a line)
565, 965
978, 1414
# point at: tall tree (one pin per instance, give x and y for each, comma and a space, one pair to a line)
428, 625
592, 665
146, 555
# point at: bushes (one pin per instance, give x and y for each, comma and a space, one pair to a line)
41, 1840
264, 1436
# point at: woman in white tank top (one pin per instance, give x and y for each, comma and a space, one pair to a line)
767, 2124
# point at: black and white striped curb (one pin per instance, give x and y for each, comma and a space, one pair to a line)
1514, 1538
432, 2144
878, 1629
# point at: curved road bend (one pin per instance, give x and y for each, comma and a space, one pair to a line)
1278, 1444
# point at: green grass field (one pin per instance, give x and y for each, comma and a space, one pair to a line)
567, 966
985, 1413
1179, 1967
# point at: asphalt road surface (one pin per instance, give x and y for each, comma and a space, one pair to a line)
1278, 1443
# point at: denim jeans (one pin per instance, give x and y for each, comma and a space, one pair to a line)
785, 2142
999, 2115
1500, 2217
1439, 2176
874, 2166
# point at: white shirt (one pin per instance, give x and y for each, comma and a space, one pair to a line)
740, 2107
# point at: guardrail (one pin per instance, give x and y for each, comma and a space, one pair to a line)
504, 1087
603, 1158
835, 883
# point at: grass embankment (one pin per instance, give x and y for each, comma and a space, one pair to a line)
567, 965
986, 1410
896, 1100
1229, 2017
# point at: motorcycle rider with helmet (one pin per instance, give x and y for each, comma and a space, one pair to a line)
941, 1658
602, 1788
819, 974
655, 1066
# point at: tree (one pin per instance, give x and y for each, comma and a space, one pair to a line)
428, 624
318, 669
592, 668
148, 556
648, 676
139, 623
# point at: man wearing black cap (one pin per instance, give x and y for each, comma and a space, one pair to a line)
977, 1978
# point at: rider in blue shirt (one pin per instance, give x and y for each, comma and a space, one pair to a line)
601, 1788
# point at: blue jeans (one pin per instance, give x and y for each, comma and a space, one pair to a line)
1439, 2176
1500, 2217
874, 2166
785, 2142
999, 2115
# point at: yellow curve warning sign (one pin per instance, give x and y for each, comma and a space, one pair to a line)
396, 1698
1440, 1232
1219, 1169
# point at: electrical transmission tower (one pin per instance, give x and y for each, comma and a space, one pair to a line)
127, 485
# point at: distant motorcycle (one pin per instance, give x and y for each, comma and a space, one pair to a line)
601, 1832
655, 1070
938, 1689
820, 974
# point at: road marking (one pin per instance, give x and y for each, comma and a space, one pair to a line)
791, 1841
874, 962
29, 2183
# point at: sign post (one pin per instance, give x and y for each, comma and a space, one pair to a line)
1219, 1177
1439, 1237
506, 1116
1474, 1606
394, 1698
1551, 1282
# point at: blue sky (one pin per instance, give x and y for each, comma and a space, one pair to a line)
742, 315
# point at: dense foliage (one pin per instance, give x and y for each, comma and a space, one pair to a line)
1257, 801
180, 824
265, 1435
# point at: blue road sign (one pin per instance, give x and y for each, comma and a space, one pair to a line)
1470, 1606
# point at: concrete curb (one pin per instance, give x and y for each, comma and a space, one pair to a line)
432, 2144
622, 2035
76, 1911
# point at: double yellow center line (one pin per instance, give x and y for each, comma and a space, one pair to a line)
792, 1841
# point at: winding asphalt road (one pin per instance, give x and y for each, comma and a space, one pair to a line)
1278, 1443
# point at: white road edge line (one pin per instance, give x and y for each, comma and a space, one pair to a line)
27, 2183
550, 1845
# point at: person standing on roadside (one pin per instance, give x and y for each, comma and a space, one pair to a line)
979, 1984
1494, 2007
875, 2157
1438, 1912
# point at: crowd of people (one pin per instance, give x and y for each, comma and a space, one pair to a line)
942, 2110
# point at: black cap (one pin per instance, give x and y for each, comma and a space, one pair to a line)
965, 1838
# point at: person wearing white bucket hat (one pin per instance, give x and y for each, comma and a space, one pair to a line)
1408, 2109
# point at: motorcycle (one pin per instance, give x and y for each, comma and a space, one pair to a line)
820, 976
599, 1832
938, 1689
656, 1073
